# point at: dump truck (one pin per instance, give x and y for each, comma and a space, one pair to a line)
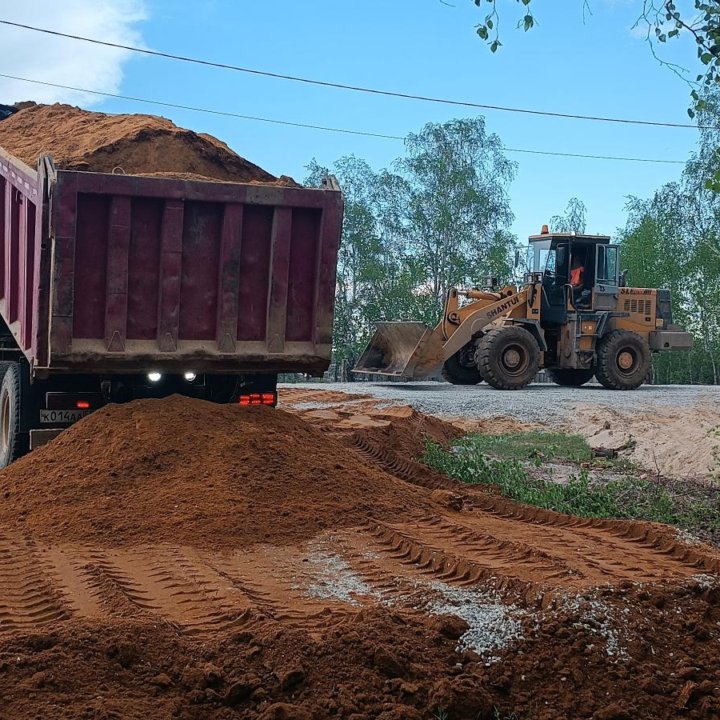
573, 315
115, 287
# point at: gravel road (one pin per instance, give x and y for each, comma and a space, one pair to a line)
536, 403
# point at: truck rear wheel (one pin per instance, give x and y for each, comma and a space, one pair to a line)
461, 369
13, 443
569, 377
623, 360
508, 358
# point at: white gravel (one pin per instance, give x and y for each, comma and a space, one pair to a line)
705, 581
536, 403
605, 621
332, 578
492, 624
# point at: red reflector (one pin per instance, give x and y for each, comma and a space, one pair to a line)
258, 399
82, 405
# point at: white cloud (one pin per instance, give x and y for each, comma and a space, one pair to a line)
68, 62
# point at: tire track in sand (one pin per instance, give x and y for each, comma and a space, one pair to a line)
195, 591
27, 595
538, 553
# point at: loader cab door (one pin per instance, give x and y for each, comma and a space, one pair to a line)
607, 278
555, 279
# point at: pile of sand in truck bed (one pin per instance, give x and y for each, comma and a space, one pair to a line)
192, 472
131, 144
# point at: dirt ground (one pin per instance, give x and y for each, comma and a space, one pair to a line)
178, 559
673, 431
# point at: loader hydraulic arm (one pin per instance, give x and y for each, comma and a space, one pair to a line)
459, 324
456, 315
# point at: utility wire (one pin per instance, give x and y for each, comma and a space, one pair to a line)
355, 88
207, 111
323, 128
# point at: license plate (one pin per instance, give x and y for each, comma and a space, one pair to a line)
60, 416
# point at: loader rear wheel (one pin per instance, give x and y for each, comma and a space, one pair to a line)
13, 443
461, 369
508, 358
623, 360
569, 377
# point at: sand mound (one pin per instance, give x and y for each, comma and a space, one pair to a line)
408, 431
133, 144
193, 472
677, 443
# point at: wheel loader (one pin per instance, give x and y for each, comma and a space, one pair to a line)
573, 316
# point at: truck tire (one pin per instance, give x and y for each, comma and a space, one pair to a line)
623, 360
508, 358
13, 442
569, 377
461, 369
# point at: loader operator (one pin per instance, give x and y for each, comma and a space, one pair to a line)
581, 295
576, 274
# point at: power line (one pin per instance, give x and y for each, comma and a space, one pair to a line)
323, 128
596, 157
207, 111
355, 88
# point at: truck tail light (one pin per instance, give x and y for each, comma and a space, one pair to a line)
259, 399
82, 405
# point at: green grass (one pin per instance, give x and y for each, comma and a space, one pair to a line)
625, 498
497, 715
534, 445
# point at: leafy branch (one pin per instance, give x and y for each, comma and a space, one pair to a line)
489, 29
665, 21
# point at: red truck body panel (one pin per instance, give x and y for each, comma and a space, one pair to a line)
111, 274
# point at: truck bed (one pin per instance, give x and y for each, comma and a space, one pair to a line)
117, 273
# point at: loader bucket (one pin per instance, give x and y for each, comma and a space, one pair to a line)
408, 350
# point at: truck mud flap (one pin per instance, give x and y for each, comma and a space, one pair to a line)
408, 350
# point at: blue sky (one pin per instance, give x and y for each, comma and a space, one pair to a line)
598, 66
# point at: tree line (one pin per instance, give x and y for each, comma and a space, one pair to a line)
672, 240
440, 217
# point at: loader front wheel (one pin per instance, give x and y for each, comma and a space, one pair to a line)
568, 377
461, 369
508, 358
623, 361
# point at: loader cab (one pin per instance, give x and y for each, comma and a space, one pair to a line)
579, 273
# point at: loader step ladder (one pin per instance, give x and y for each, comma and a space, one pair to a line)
589, 327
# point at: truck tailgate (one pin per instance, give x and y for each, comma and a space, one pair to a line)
148, 272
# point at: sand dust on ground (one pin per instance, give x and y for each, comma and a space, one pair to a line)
681, 442
345, 410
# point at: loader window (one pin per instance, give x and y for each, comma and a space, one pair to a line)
540, 251
551, 262
607, 265
561, 263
